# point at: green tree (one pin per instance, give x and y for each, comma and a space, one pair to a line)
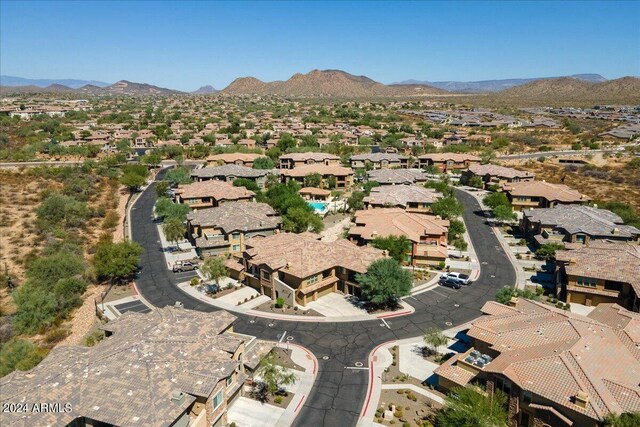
368, 186
355, 201
468, 407
476, 182
286, 142
460, 245
456, 229
18, 354
263, 163
434, 339
152, 159
299, 219
133, 181
503, 213
548, 250
116, 262
626, 419
385, 282
272, 376
173, 229
249, 184
68, 293
58, 210
447, 208
494, 200
179, 176
165, 208
313, 180
161, 188
396, 246
214, 268
37, 308
46, 271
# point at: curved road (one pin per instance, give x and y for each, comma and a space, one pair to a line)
338, 394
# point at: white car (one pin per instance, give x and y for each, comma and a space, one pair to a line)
463, 279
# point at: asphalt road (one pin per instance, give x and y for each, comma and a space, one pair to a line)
338, 393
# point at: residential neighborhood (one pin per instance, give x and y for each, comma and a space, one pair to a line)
319, 214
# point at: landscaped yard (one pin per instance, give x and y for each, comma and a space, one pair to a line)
410, 407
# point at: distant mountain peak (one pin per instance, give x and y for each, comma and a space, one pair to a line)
204, 90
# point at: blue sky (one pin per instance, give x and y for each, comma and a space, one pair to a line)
184, 45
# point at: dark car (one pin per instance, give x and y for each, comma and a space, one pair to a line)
450, 283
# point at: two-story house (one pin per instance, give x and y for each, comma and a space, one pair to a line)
224, 229
575, 224
412, 198
212, 193
427, 233
333, 176
294, 160
300, 268
541, 194
495, 175
448, 162
599, 272
241, 159
231, 172
556, 369
379, 161
171, 366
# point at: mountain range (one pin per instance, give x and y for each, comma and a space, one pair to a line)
327, 83
496, 85
339, 84
71, 83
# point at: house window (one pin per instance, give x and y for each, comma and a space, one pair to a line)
266, 275
236, 248
217, 400
236, 235
589, 282
311, 280
229, 380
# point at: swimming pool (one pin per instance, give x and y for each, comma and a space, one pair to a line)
319, 207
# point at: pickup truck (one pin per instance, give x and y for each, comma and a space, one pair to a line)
461, 278
180, 266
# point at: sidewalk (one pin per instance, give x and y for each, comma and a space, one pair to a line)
248, 412
409, 362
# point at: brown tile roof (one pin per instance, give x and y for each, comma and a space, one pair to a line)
219, 190
234, 216
129, 378
322, 169
552, 192
606, 260
234, 157
443, 157
314, 191
401, 195
397, 222
306, 255
303, 157
556, 354
499, 171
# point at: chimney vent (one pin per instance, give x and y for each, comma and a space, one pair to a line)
582, 399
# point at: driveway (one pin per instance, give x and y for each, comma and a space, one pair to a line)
338, 393
335, 305
247, 412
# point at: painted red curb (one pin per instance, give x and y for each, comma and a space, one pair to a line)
299, 403
371, 373
386, 316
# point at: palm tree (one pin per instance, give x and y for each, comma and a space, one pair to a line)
173, 229
469, 407
434, 338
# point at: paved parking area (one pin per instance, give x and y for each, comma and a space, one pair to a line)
239, 295
247, 412
137, 306
335, 305
186, 276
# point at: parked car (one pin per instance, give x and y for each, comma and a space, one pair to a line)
180, 266
450, 283
463, 279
